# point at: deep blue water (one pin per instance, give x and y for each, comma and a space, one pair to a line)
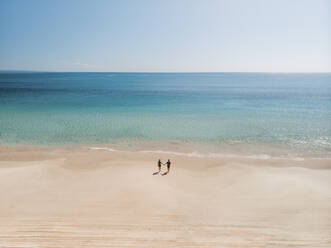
293, 110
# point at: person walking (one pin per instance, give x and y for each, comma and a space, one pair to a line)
168, 165
159, 164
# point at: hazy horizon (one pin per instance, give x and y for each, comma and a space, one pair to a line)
257, 72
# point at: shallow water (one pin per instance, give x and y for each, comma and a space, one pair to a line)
288, 110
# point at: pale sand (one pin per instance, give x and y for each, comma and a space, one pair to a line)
77, 197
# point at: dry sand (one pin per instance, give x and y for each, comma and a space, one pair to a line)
77, 197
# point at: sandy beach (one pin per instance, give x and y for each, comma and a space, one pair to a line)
236, 94
80, 197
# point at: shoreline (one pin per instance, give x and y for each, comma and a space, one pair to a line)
248, 148
277, 157
186, 149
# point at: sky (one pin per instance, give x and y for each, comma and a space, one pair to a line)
166, 35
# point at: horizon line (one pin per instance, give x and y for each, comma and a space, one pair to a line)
269, 72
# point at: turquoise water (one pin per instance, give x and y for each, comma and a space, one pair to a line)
292, 110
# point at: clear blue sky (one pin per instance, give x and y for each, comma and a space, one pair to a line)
166, 35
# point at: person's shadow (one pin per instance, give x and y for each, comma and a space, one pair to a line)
155, 173
164, 174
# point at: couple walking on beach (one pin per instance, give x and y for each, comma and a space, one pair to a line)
168, 163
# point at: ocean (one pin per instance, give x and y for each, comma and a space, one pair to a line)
287, 111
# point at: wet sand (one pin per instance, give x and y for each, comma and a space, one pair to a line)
78, 197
